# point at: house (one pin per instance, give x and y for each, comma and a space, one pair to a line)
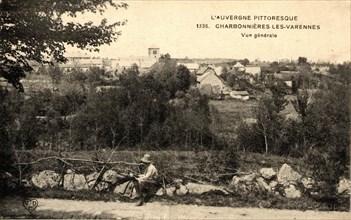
82, 61
286, 76
210, 77
253, 70
242, 95
201, 70
192, 67
239, 67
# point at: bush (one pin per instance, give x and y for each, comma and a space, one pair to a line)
326, 169
249, 138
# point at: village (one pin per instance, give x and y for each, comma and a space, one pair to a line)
217, 78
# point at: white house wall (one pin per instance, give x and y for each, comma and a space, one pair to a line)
212, 80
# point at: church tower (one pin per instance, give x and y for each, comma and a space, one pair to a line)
154, 52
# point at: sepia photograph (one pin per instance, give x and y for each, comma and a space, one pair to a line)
175, 109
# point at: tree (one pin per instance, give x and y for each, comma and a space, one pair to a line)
56, 76
278, 89
174, 78
300, 103
184, 77
275, 66
6, 119
302, 60
224, 73
35, 31
328, 134
268, 121
342, 71
244, 61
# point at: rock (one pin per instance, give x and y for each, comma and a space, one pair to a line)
308, 183
292, 192
262, 183
241, 183
344, 186
91, 178
181, 190
26, 183
170, 191
126, 189
235, 181
160, 192
177, 182
111, 176
265, 204
287, 174
267, 173
46, 179
248, 178
195, 188
69, 171
73, 181
273, 184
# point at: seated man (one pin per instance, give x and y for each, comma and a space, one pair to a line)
147, 184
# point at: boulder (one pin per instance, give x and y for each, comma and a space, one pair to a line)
181, 190
46, 179
286, 174
344, 186
91, 178
170, 191
73, 181
160, 192
273, 184
267, 173
248, 178
243, 183
308, 183
291, 192
263, 185
111, 176
195, 188
126, 189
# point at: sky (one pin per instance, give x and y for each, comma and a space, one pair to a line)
172, 26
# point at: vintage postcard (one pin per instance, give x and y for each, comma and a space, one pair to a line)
175, 109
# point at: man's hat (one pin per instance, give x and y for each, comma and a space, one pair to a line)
146, 158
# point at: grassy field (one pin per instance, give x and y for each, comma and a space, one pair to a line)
231, 112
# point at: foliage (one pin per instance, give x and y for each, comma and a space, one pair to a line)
269, 122
302, 60
300, 103
36, 32
6, 119
342, 72
145, 110
327, 132
249, 138
174, 78
278, 90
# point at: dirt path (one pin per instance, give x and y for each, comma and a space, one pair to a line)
156, 210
